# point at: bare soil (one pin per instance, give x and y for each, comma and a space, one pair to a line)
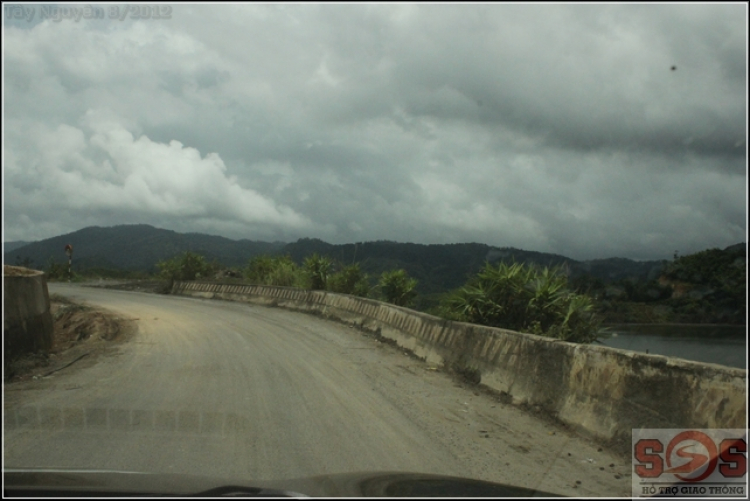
81, 333
17, 271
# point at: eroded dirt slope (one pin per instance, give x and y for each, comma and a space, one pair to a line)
80, 331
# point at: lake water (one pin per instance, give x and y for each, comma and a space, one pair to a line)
716, 344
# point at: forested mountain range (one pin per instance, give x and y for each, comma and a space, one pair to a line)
442, 267
437, 267
9, 246
709, 286
135, 247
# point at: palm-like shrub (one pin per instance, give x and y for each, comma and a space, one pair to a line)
317, 269
526, 299
274, 270
397, 287
350, 280
494, 297
548, 291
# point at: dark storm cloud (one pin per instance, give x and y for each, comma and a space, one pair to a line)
557, 128
581, 88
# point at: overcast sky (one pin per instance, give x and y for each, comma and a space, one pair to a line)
588, 131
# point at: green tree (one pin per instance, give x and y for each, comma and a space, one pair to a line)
397, 287
188, 266
587, 284
350, 280
719, 278
286, 273
55, 270
275, 270
259, 269
26, 262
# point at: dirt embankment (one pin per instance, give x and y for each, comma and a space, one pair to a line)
80, 332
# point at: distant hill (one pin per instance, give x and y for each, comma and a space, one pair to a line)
134, 247
709, 286
9, 246
740, 248
438, 268
442, 267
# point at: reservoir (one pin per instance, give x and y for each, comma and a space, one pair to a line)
715, 344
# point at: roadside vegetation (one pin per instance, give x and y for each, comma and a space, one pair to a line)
316, 273
187, 266
57, 271
523, 298
398, 288
317, 270
275, 270
706, 287
512, 296
350, 280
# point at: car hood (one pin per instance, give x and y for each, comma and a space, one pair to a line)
58, 482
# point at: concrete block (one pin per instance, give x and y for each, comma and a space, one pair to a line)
27, 322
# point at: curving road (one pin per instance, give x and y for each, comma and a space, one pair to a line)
240, 391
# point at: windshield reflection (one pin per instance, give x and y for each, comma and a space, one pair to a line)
98, 419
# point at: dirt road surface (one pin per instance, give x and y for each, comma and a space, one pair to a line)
233, 390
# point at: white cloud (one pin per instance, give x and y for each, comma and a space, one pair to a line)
138, 176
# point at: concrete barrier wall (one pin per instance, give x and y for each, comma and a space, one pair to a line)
27, 321
603, 391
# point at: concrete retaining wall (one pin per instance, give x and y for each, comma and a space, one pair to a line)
602, 391
27, 321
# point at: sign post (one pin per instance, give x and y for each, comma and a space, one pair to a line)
69, 252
